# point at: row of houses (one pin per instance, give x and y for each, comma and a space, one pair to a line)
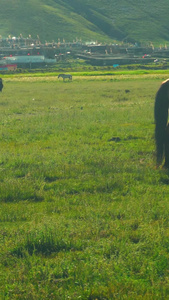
11, 63
20, 52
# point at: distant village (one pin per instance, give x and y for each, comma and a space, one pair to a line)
19, 52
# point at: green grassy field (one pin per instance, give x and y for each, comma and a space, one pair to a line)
84, 212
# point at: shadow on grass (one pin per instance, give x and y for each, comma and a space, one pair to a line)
21, 197
130, 137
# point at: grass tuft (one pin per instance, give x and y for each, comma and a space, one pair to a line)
44, 241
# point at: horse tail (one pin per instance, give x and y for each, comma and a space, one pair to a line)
161, 119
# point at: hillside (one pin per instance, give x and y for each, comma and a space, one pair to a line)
102, 20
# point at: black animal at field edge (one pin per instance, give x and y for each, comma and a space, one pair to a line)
161, 123
1, 85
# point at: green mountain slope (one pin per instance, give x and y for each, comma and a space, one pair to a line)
102, 20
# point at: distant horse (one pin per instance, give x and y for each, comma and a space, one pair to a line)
1, 85
64, 76
161, 123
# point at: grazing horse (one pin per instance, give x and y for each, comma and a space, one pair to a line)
1, 85
64, 76
161, 123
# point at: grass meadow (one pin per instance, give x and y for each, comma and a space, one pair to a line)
84, 213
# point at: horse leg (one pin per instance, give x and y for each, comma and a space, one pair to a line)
160, 133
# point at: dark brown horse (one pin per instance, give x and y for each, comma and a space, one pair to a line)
161, 123
1, 85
